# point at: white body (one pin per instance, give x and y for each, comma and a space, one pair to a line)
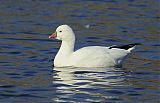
92, 56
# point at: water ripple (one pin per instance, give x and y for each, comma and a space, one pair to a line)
26, 53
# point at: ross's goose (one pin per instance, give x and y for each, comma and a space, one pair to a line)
91, 56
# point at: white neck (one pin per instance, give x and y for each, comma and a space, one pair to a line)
66, 49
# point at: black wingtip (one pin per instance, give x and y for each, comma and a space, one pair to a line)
126, 47
133, 44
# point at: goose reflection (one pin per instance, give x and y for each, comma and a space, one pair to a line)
93, 82
72, 77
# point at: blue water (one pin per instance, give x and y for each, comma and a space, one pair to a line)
27, 74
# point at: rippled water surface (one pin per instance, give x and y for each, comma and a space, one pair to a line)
26, 54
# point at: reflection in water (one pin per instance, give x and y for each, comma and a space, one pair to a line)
72, 76
91, 82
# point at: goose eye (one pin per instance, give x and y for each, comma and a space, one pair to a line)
60, 31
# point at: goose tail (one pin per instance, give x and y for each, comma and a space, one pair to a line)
132, 46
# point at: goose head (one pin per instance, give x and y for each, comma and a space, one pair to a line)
64, 33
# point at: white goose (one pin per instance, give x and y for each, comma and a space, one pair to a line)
91, 56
